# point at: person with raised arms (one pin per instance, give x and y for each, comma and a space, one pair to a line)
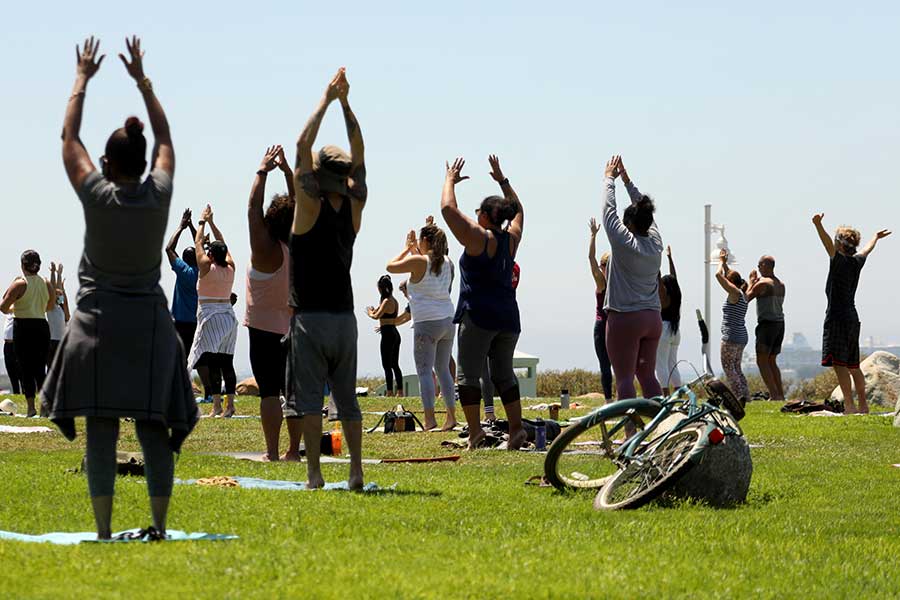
769, 292
840, 337
212, 352
58, 317
487, 312
634, 324
331, 195
184, 297
430, 281
734, 327
598, 272
268, 316
120, 356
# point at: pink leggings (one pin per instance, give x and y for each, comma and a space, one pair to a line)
631, 341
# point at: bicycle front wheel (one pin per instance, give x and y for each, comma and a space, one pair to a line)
653, 470
582, 456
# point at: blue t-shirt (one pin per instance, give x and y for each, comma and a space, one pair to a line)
184, 302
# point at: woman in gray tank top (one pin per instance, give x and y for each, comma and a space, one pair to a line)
120, 356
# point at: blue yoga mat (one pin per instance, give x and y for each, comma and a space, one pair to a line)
252, 483
69, 539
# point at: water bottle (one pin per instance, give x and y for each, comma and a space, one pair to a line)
540, 435
336, 439
564, 399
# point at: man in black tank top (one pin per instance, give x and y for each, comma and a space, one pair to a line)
331, 195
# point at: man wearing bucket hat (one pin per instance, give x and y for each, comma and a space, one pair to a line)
331, 194
29, 298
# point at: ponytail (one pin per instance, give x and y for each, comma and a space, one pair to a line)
437, 241
500, 209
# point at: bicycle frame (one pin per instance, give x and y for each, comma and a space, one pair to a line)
682, 400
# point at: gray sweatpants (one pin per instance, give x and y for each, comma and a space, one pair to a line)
323, 350
102, 436
433, 345
475, 345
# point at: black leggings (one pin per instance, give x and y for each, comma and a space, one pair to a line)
268, 358
213, 368
186, 333
606, 377
32, 340
159, 464
390, 357
12, 366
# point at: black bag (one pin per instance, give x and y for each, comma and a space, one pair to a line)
398, 420
552, 428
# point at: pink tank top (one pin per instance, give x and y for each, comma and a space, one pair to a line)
267, 297
217, 283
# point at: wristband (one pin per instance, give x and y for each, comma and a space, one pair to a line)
505, 181
262, 173
145, 85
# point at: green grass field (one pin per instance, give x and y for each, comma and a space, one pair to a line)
822, 520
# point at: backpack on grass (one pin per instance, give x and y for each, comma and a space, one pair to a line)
398, 420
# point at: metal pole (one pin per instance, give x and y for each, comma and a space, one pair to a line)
707, 250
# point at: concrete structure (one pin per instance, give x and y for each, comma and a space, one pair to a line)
524, 364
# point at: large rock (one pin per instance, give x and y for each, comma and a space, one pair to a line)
882, 372
247, 387
722, 479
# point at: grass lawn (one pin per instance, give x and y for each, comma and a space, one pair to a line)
822, 520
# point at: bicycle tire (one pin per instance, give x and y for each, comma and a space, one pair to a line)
568, 481
721, 395
647, 477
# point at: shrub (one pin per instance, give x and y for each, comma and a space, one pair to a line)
577, 381
818, 387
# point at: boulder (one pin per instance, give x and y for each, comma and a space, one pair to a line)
247, 387
882, 372
722, 479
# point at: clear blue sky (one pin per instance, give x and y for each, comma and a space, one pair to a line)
768, 112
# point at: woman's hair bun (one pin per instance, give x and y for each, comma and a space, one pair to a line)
134, 127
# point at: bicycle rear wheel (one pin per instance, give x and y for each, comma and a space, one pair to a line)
653, 470
581, 457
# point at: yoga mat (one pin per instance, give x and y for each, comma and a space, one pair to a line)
257, 457
451, 458
253, 483
68, 539
17, 429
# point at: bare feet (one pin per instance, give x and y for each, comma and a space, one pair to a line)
863, 408
315, 481
291, 456
229, 412
449, 426
476, 438
355, 481
215, 412
429, 425
516, 440
266, 457
30, 414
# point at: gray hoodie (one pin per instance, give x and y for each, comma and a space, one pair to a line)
634, 262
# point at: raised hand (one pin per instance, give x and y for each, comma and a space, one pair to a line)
612, 166
270, 160
594, 227
334, 88
343, 86
883, 234
817, 219
52, 267
723, 255
429, 220
280, 159
85, 58
454, 171
207, 215
496, 172
59, 270
411, 242
135, 68
753, 277
185, 218
669, 251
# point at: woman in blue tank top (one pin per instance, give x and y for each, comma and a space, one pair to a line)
487, 312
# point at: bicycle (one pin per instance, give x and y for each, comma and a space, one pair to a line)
631, 463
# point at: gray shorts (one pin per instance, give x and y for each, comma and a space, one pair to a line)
474, 345
322, 350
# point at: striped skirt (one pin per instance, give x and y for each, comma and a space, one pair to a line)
217, 329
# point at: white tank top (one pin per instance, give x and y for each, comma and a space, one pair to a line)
429, 299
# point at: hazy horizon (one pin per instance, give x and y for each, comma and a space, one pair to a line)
768, 112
